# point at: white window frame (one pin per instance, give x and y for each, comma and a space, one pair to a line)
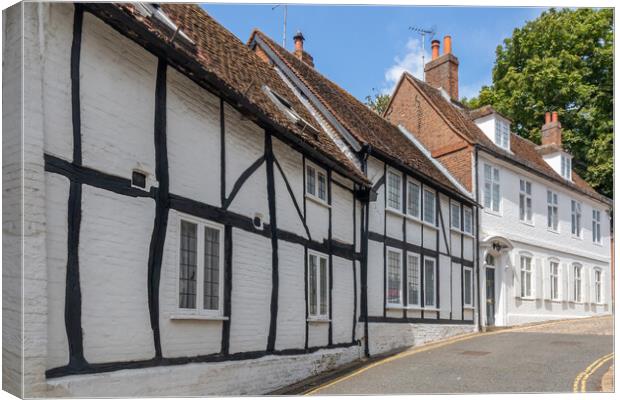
316, 172
526, 275
434, 302
576, 218
502, 134
490, 186
553, 220
577, 283
566, 167
454, 206
411, 212
318, 315
468, 214
471, 287
410, 281
394, 250
201, 224
425, 206
596, 226
525, 211
598, 285
554, 280
388, 172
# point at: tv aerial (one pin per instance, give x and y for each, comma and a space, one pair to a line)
423, 32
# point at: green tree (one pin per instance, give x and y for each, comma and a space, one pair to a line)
562, 61
377, 102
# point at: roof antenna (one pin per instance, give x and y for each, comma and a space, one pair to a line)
284, 24
423, 33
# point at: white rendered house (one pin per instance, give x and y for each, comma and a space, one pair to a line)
544, 233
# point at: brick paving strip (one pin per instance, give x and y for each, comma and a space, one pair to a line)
607, 384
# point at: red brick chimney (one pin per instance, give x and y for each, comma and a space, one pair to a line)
443, 71
552, 130
299, 49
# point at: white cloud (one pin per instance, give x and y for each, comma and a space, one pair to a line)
410, 61
472, 89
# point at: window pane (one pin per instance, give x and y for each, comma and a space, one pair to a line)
467, 221
429, 207
393, 190
455, 215
413, 199
188, 265
467, 286
413, 280
212, 269
394, 278
496, 197
429, 282
310, 183
522, 207
487, 194
323, 274
322, 194
312, 292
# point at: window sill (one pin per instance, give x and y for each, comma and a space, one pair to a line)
494, 213
527, 298
455, 230
428, 224
200, 317
597, 244
530, 224
576, 237
469, 307
395, 212
553, 231
317, 200
319, 320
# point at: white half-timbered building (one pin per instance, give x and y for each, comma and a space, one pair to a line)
198, 221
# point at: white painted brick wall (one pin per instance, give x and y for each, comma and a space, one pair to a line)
12, 210
291, 163
291, 297
388, 337
342, 300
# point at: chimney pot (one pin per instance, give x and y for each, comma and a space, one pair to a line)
547, 117
435, 47
554, 116
447, 44
299, 41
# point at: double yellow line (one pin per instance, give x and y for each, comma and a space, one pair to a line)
579, 385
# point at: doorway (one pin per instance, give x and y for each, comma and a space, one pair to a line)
490, 290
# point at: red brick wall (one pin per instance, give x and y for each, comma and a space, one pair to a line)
410, 109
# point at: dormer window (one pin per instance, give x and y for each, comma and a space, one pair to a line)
502, 133
566, 167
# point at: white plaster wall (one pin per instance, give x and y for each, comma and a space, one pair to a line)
375, 278
317, 219
430, 237
445, 289
117, 95
394, 225
487, 126
342, 214
377, 208
386, 337
318, 333
414, 232
342, 300
291, 297
57, 81
259, 376
456, 291
245, 143
181, 337
251, 292
193, 139
56, 205
115, 236
292, 165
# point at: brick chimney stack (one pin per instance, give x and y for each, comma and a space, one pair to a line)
443, 71
552, 130
299, 51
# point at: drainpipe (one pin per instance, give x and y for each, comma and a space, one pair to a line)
364, 249
477, 247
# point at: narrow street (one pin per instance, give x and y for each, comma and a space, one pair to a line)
556, 357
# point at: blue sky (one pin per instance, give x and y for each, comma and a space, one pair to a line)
367, 47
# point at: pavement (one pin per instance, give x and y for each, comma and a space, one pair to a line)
561, 356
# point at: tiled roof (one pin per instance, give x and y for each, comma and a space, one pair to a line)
234, 68
361, 122
523, 152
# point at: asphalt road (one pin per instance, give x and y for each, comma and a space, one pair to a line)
537, 359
